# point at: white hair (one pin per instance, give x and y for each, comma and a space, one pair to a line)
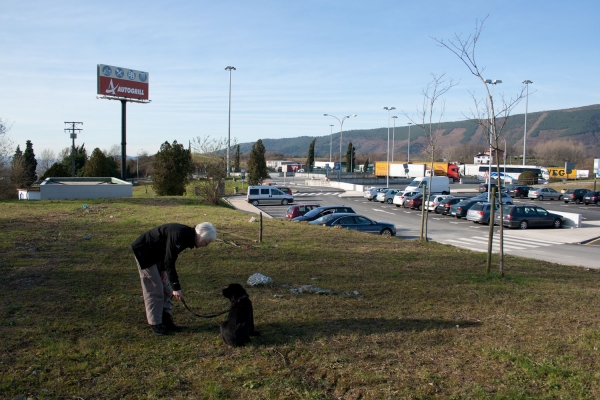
206, 232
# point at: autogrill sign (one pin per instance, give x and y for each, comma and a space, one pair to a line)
122, 82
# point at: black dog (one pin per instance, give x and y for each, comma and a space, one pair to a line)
238, 328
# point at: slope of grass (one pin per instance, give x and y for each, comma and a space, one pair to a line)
426, 323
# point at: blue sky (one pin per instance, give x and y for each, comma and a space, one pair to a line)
295, 61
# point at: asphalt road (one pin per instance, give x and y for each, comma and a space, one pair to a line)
460, 232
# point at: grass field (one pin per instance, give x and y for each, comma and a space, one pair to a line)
427, 323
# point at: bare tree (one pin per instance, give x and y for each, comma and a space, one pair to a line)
554, 154
45, 161
5, 150
430, 120
210, 159
490, 118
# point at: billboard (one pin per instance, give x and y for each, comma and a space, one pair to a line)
122, 82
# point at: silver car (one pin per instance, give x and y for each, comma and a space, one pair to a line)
544, 194
480, 213
371, 193
435, 200
386, 196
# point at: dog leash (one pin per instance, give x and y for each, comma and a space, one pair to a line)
215, 315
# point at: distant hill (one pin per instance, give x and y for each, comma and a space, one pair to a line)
580, 124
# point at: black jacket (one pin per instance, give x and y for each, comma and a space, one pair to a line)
161, 246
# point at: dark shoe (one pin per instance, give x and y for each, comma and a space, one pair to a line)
169, 324
159, 329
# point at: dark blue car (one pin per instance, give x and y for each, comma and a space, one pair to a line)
356, 222
323, 210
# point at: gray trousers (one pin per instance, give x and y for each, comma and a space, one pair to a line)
157, 295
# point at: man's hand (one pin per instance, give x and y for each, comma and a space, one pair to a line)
163, 276
178, 294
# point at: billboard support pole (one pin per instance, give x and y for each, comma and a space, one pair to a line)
123, 137
123, 84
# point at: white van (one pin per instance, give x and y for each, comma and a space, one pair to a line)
439, 184
267, 195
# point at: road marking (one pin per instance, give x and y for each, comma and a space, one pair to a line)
378, 210
480, 243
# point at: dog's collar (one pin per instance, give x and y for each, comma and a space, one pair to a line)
239, 299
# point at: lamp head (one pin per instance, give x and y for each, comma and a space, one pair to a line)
527, 82
497, 81
393, 116
488, 81
326, 115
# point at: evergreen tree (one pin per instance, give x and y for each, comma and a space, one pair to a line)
310, 160
80, 160
236, 159
366, 166
172, 168
29, 164
350, 157
17, 157
257, 165
100, 165
57, 169
17, 171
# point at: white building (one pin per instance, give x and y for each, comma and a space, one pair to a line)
77, 188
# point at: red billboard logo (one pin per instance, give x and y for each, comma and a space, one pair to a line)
122, 82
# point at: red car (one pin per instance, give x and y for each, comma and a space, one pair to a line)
413, 202
285, 190
298, 210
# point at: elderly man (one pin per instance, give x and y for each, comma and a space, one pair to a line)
156, 252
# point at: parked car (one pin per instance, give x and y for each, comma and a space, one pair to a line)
356, 222
386, 196
414, 202
267, 195
400, 196
323, 210
520, 191
592, 197
380, 193
484, 197
574, 195
483, 187
371, 193
406, 202
299, 209
459, 210
480, 212
528, 216
444, 207
544, 194
435, 200
285, 189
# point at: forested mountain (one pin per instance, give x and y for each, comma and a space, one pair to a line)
580, 125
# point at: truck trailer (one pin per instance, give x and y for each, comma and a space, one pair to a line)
413, 170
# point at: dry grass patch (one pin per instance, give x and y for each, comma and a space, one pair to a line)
427, 323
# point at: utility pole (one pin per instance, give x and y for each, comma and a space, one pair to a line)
73, 131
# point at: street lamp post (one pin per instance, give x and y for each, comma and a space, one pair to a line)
491, 131
526, 82
408, 156
137, 164
229, 68
393, 136
387, 173
341, 132
331, 143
